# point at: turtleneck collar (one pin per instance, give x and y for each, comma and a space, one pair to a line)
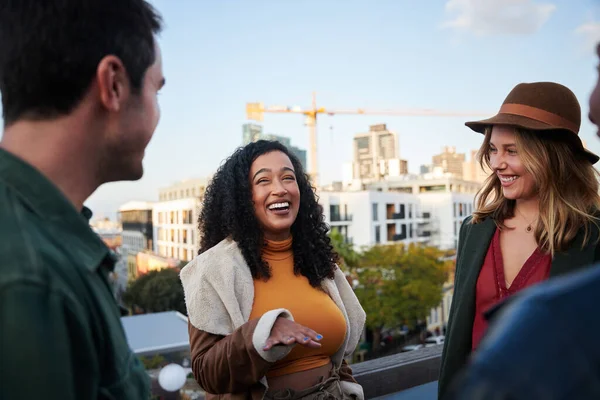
277, 250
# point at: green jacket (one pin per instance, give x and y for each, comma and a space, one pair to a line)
473, 243
61, 336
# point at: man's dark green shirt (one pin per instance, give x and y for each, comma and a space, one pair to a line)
60, 330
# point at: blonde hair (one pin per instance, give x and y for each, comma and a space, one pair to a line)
566, 184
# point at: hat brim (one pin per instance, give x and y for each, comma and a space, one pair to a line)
531, 124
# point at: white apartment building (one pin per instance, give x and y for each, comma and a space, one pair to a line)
446, 212
367, 218
443, 199
176, 228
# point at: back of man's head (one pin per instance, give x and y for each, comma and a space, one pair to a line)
50, 50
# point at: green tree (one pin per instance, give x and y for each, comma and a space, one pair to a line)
157, 361
156, 291
348, 257
399, 284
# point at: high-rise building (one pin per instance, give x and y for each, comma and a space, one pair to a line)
472, 170
376, 155
252, 133
450, 161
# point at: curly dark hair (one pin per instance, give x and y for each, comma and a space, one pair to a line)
227, 211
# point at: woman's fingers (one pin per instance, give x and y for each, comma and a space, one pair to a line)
275, 340
312, 334
287, 332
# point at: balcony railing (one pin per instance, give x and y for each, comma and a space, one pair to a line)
335, 217
399, 372
398, 237
396, 216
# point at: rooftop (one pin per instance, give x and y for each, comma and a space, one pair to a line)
164, 332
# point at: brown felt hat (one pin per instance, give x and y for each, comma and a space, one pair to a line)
541, 107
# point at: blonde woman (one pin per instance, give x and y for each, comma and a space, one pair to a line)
536, 215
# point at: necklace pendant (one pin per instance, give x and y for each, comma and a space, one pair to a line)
528, 229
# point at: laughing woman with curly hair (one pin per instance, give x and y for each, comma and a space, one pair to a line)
270, 313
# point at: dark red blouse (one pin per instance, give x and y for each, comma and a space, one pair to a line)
491, 285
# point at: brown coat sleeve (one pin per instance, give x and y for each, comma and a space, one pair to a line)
226, 364
346, 372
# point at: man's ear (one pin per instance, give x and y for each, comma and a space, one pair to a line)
113, 83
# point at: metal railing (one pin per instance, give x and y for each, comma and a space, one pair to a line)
398, 372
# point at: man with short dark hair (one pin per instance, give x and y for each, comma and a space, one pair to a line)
79, 82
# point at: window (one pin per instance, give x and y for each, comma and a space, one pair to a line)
410, 210
374, 211
172, 219
334, 212
402, 232
377, 234
410, 234
187, 192
390, 210
402, 211
184, 236
391, 232
184, 217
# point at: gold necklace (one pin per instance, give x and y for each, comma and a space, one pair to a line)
529, 228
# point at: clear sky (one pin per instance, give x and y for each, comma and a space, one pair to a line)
381, 54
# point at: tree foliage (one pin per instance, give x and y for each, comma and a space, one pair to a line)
397, 284
156, 291
348, 257
400, 284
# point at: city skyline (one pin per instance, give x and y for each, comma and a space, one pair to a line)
455, 55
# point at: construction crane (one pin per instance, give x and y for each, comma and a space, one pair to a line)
256, 111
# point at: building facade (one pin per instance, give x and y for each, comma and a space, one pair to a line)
375, 156
368, 218
444, 202
146, 261
472, 170
176, 228
251, 133
184, 189
136, 220
449, 161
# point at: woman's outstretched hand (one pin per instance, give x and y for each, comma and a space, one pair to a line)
286, 332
